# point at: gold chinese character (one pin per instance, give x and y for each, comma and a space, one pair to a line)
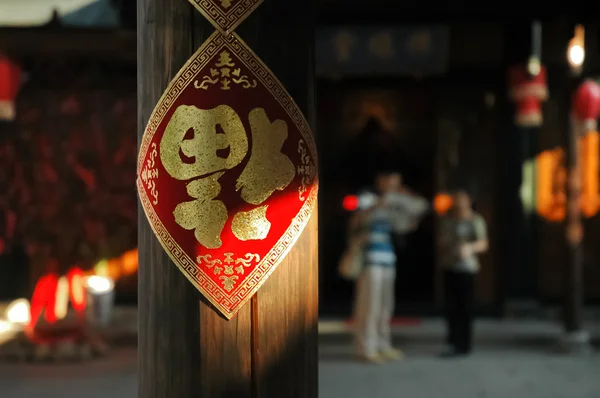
268, 168
251, 225
382, 45
344, 41
420, 42
204, 215
306, 170
203, 147
225, 3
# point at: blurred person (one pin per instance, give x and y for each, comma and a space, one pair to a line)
463, 238
392, 209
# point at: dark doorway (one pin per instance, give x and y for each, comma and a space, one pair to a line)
372, 130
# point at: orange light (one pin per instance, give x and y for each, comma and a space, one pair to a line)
118, 267
552, 176
130, 262
590, 201
442, 203
350, 203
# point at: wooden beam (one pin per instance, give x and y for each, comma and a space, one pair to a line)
186, 349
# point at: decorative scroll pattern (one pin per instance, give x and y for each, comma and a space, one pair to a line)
229, 266
226, 15
225, 74
150, 174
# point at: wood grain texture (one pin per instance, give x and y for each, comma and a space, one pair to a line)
186, 349
169, 346
281, 33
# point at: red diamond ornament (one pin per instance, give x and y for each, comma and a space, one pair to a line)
227, 172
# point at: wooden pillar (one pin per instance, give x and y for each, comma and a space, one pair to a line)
186, 349
573, 223
573, 317
575, 340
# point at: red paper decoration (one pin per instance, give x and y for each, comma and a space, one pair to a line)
10, 81
227, 172
528, 93
586, 107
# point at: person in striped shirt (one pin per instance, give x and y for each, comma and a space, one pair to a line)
392, 209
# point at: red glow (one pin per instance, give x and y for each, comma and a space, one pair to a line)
10, 80
350, 203
44, 297
586, 101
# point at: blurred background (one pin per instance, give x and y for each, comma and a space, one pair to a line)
420, 87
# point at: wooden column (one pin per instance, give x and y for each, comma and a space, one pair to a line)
573, 317
186, 349
575, 340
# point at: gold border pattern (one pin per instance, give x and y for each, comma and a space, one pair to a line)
226, 19
227, 305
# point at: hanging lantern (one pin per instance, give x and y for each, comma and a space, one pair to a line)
586, 107
528, 93
10, 81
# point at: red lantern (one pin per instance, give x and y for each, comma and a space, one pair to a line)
10, 81
528, 93
586, 107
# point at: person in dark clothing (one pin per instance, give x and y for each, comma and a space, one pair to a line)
463, 238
